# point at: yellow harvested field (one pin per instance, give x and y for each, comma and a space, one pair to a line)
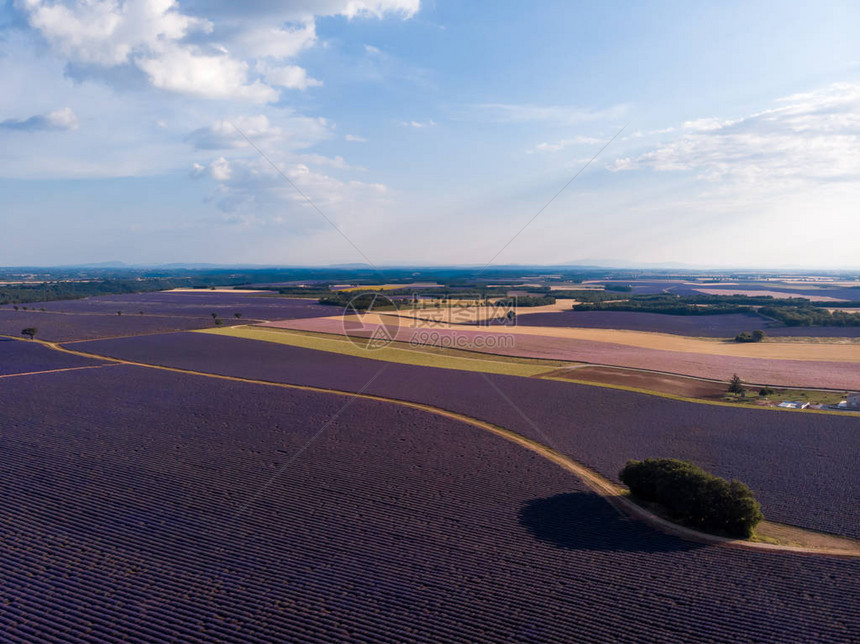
384, 287
469, 314
813, 351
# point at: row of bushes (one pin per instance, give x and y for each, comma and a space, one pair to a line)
694, 497
810, 316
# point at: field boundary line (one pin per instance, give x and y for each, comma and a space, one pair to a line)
602, 486
38, 373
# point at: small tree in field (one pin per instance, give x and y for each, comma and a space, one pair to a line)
30, 332
736, 385
694, 497
214, 315
218, 321
238, 315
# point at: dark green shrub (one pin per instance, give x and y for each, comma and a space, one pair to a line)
694, 497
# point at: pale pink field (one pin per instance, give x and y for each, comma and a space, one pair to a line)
776, 294
789, 373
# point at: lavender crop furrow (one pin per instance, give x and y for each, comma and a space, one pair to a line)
17, 356
394, 525
776, 453
191, 305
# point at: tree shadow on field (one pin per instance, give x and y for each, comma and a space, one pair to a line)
585, 521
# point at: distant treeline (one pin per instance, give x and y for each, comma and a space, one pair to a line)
526, 301
51, 291
810, 316
666, 304
789, 311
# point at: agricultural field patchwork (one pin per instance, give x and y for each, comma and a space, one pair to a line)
775, 452
783, 372
194, 521
398, 354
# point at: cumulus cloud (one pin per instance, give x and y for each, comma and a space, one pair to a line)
181, 70
109, 32
418, 124
355, 139
292, 132
268, 42
252, 190
289, 77
62, 119
149, 34
225, 51
806, 137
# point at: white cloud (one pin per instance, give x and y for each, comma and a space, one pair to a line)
251, 188
181, 70
564, 143
523, 113
148, 34
291, 132
806, 137
208, 55
418, 124
355, 139
62, 119
289, 77
109, 32
370, 49
268, 42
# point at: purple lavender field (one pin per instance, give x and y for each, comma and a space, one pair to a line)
66, 327
25, 357
163, 312
713, 326
193, 304
190, 521
802, 467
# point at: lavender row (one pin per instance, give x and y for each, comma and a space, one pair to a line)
26, 357
802, 467
67, 327
394, 525
191, 304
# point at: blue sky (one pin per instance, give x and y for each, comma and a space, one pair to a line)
430, 132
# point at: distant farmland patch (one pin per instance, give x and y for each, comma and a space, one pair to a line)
715, 326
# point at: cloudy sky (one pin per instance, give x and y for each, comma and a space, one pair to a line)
429, 132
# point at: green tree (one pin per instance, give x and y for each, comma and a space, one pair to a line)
736, 385
758, 335
237, 315
30, 332
694, 497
